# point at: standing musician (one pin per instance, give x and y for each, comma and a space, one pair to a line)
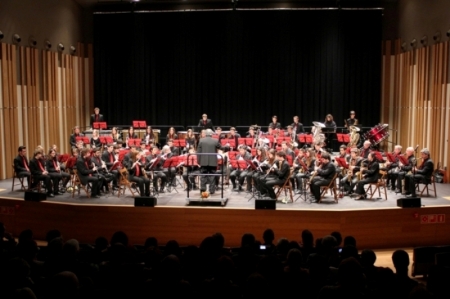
109, 158
241, 174
329, 130
422, 174
192, 170
172, 134
95, 139
279, 174
55, 172
352, 121
157, 169
190, 140
404, 169
40, 173
303, 174
96, 117
136, 174
274, 124
21, 165
87, 175
148, 137
73, 137
392, 168
322, 176
205, 123
348, 182
116, 136
365, 150
102, 169
369, 175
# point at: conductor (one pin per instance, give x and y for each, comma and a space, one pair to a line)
208, 163
205, 123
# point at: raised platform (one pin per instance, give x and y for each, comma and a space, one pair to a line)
374, 223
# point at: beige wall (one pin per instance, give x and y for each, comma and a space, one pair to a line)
60, 21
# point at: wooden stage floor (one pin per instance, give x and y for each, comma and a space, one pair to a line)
375, 223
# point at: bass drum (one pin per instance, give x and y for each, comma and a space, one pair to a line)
377, 134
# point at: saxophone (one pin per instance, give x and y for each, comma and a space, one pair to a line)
315, 173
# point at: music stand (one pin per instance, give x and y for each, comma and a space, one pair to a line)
99, 126
85, 140
241, 141
342, 162
403, 159
378, 156
308, 139
102, 139
167, 164
249, 141
391, 157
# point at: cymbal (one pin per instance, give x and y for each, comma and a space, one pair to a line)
355, 128
318, 124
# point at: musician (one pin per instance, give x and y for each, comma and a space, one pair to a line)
365, 150
102, 169
259, 158
110, 158
95, 139
205, 123
348, 182
148, 137
280, 173
296, 167
287, 150
56, 173
290, 133
343, 155
297, 127
137, 174
422, 174
37, 168
156, 169
170, 172
172, 134
241, 174
72, 160
73, 137
219, 133
274, 124
352, 121
392, 167
202, 134
21, 165
190, 172
96, 117
116, 136
208, 163
174, 150
404, 169
324, 175
303, 174
190, 139
87, 174
131, 134
370, 175
234, 135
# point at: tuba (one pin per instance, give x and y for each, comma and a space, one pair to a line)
354, 136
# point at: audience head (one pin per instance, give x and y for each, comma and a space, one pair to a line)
338, 237
268, 236
368, 258
119, 237
400, 258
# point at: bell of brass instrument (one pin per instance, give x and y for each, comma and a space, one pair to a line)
354, 136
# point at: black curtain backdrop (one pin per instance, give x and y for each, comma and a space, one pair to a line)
239, 67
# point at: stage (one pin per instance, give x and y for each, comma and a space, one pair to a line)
376, 223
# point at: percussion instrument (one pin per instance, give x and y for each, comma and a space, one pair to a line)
182, 134
377, 134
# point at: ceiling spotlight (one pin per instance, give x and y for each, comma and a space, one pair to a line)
1, 35
48, 44
424, 40
32, 41
448, 33
413, 43
60, 47
437, 36
16, 38
404, 46
73, 50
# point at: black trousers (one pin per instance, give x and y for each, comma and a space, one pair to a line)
208, 179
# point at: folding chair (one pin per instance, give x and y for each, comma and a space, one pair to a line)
332, 187
379, 185
425, 182
20, 183
77, 185
123, 181
286, 187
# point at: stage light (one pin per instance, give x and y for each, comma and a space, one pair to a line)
437, 36
48, 44
424, 40
1, 35
16, 39
73, 50
32, 41
448, 33
60, 47
404, 46
413, 43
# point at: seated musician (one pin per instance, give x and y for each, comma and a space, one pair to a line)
156, 170
296, 167
285, 147
241, 174
55, 172
274, 124
349, 180
110, 159
303, 174
251, 133
259, 158
369, 175
234, 135
291, 134
190, 139
73, 137
95, 139
116, 136
102, 169
322, 176
174, 150
342, 155
72, 160
278, 175
219, 133
421, 174
172, 134
37, 168
402, 169
392, 167
148, 137
87, 174
136, 174
352, 121
170, 172
21, 165
297, 127
190, 172
365, 150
